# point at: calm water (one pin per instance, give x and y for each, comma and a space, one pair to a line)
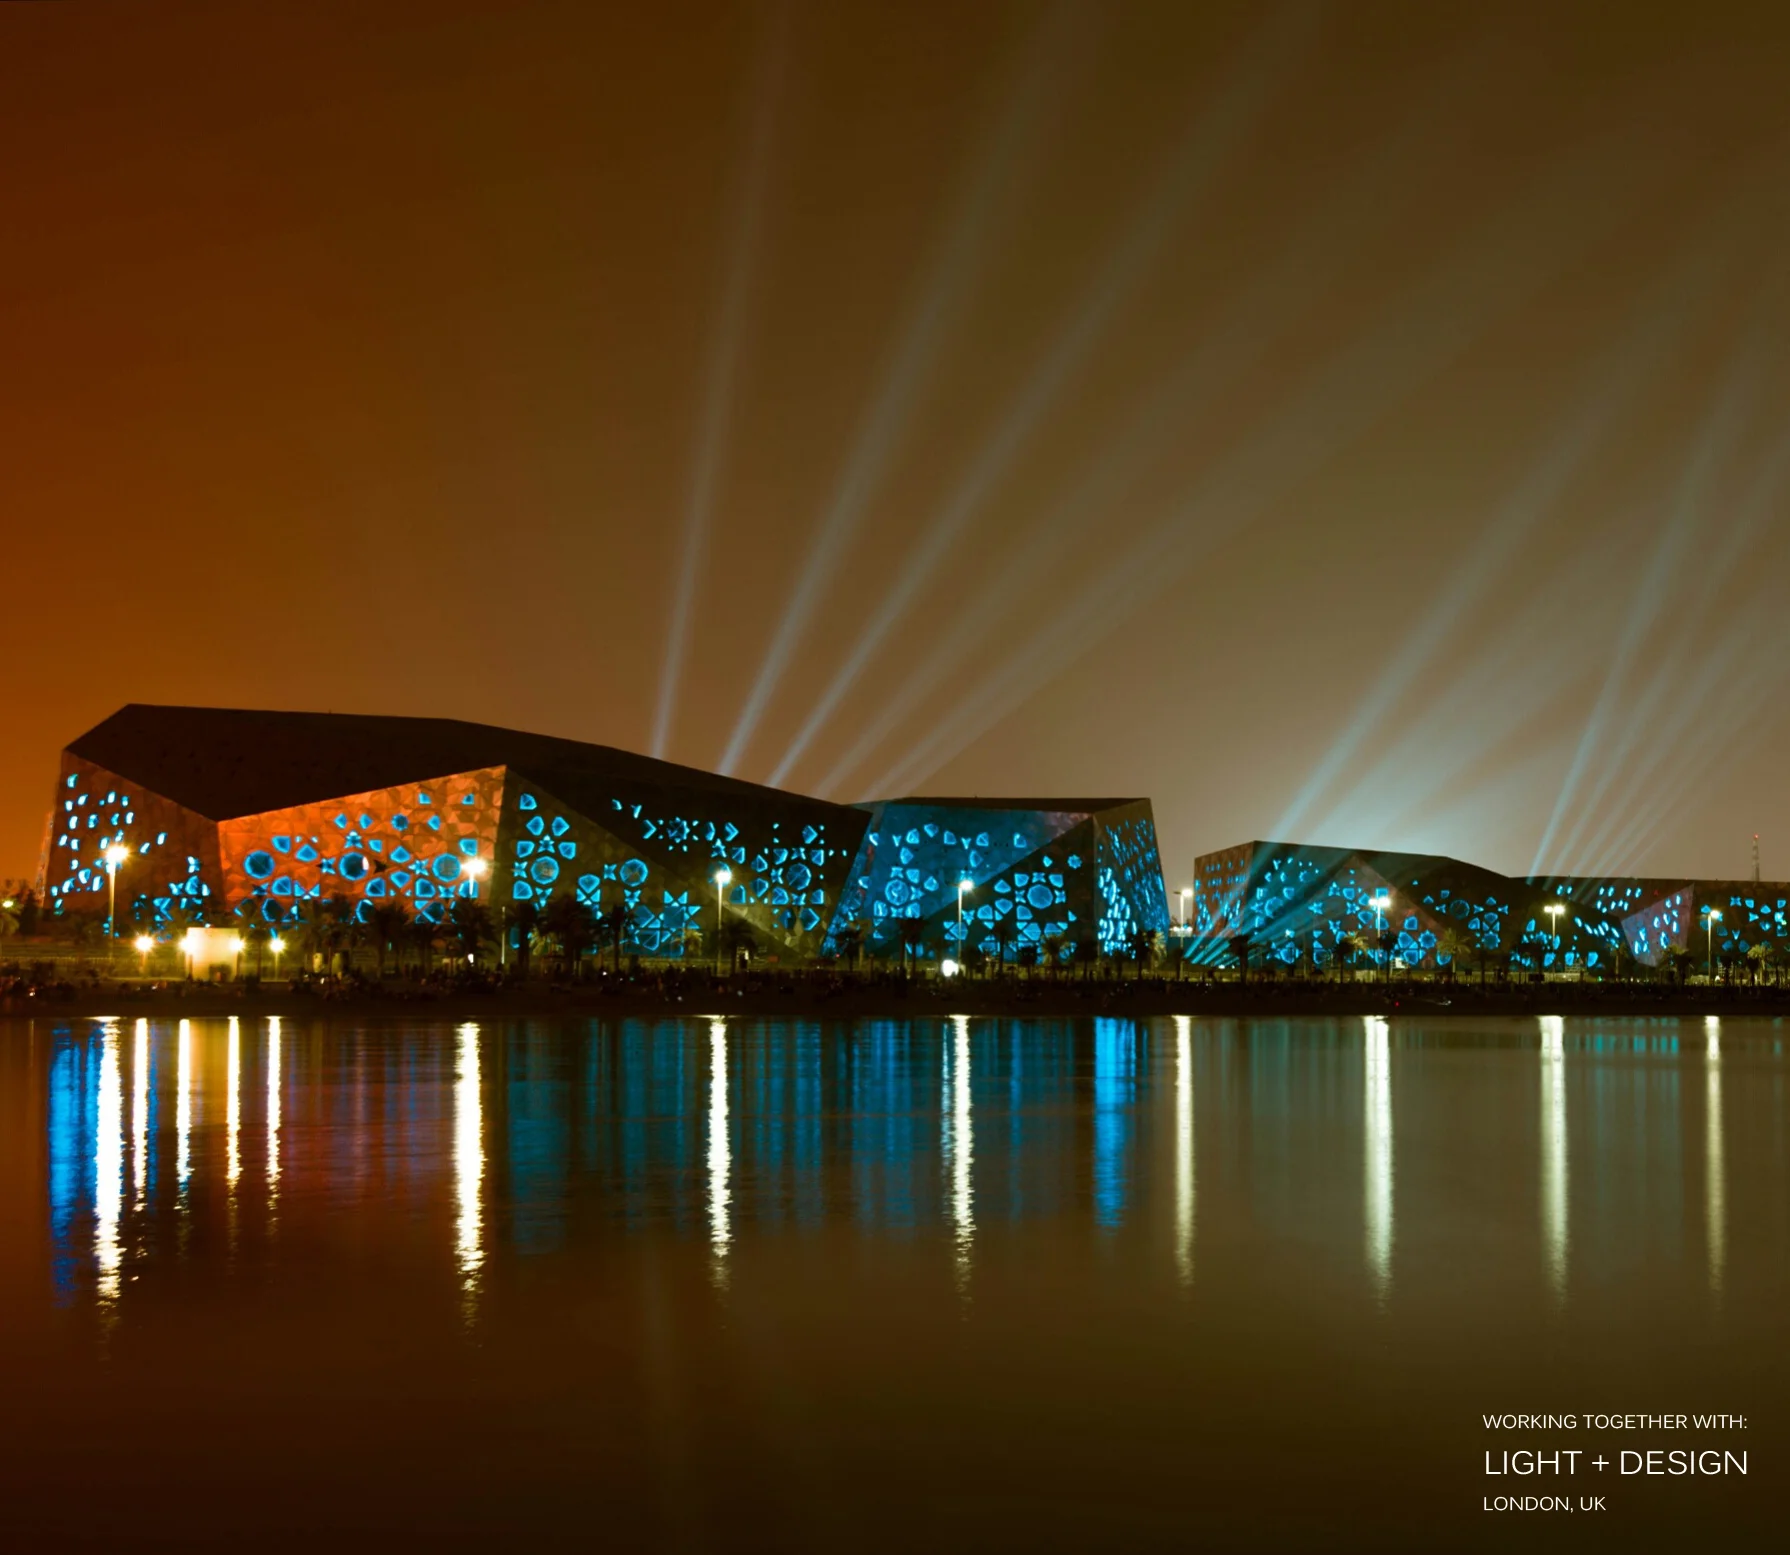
985, 1284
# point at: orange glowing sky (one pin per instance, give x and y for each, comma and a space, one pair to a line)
1390, 393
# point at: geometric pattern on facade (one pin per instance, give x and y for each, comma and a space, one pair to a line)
1301, 903
409, 844
235, 815
1297, 901
173, 859
1086, 871
232, 814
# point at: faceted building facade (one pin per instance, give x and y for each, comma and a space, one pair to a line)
1085, 871
1299, 904
231, 816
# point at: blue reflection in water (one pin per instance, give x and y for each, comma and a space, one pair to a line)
72, 1115
1115, 1092
532, 1136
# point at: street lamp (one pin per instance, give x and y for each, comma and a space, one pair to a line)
1553, 910
1711, 917
144, 943
114, 856
965, 884
1380, 904
1186, 897
722, 876
277, 946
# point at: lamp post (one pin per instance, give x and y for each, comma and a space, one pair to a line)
1711, 917
474, 869
276, 945
964, 884
1186, 897
144, 944
114, 856
1553, 910
1380, 904
722, 876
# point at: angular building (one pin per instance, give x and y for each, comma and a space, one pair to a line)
1297, 903
1664, 917
1086, 871
1301, 904
235, 815
229, 816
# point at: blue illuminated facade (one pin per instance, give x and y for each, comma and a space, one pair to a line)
1080, 872
1302, 905
255, 817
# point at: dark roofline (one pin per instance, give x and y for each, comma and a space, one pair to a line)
224, 762
978, 802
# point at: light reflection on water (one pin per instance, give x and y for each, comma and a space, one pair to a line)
784, 1220
1715, 1209
762, 1125
469, 1162
1554, 1197
1377, 1135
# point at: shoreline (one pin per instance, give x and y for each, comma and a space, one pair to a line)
1017, 998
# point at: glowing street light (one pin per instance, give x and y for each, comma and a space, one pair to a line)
1380, 905
277, 946
144, 944
949, 968
1553, 910
1711, 917
475, 868
722, 876
1186, 897
114, 856
963, 885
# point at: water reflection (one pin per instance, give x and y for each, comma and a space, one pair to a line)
1115, 1093
183, 1106
1378, 1175
529, 1139
720, 1152
960, 1145
273, 1111
1553, 1153
108, 1168
1184, 1187
469, 1162
1715, 1185
233, 1107
140, 1113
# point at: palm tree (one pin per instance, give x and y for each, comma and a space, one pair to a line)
850, 941
737, 936
1453, 944
525, 919
1348, 946
1755, 960
470, 922
572, 925
1145, 943
256, 936
419, 935
1240, 950
1053, 950
1028, 958
913, 940
386, 922
613, 926
1004, 933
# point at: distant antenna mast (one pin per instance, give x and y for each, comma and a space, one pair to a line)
1755, 858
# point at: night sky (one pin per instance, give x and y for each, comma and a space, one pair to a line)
1362, 425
